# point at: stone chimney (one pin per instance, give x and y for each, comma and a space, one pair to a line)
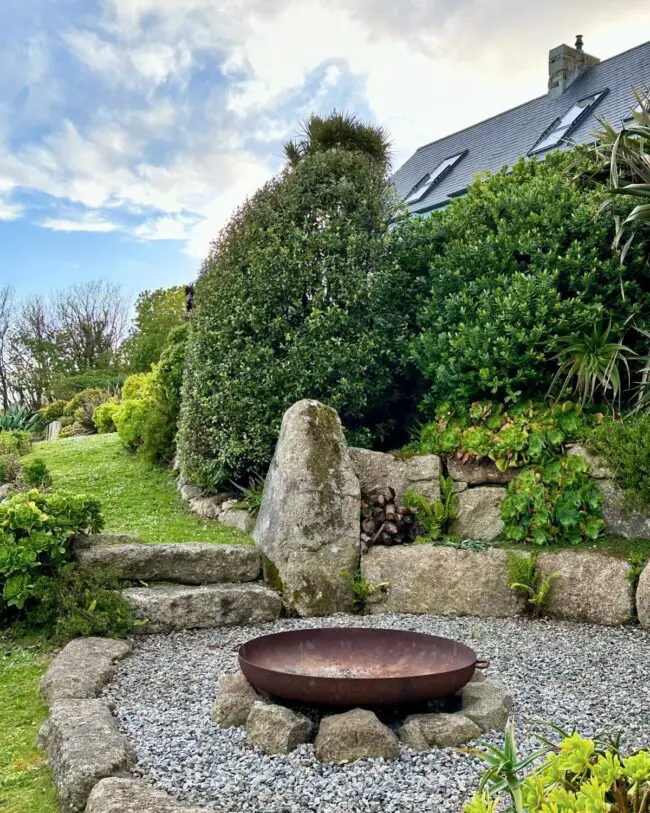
565, 64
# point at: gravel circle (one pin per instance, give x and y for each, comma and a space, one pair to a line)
596, 679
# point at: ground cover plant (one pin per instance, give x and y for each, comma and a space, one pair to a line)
624, 444
25, 781
136, 498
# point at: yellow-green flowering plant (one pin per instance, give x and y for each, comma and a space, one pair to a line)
577, 775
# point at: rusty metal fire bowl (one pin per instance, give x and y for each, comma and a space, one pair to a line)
357, 666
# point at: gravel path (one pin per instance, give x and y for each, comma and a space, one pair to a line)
594, 678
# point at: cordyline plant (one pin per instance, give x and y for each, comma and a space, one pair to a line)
627, 153
577, 775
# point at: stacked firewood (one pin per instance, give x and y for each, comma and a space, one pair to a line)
384, 522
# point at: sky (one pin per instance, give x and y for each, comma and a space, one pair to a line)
131, 129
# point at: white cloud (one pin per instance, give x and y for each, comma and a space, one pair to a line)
10, 211
87, 222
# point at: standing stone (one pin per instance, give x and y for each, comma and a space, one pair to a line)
357, 734
308, 524
420, 473
445, 581
587, 586
276, 729
479, 513
53, 430
643, 598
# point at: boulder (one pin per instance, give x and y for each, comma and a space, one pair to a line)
588, 586
308, 524
135, 796
479, 513
238, 518
619, 519
477, 473
421, 732
276, 729
168, 609
190, 563
449, 581
487, 704
83, 746
235, 698
82, 669
187, 490
643, 598
206, 507
357, 734
421, 473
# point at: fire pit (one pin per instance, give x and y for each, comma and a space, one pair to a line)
357, 666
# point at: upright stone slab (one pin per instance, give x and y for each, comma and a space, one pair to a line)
643, 598
308, 525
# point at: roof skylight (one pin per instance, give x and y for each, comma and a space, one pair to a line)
561, 127
434, 176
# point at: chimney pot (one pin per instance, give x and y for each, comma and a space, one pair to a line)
579, 42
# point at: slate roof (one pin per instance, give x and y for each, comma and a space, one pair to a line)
503, 139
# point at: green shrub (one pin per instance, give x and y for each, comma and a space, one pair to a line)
161, 423
51, 412
77, 604
83, 405
36, 473
577, 775
559, 503
17, 443
35, 531
10, 468
136, 387
625, 446
512, 437
130, 420
299, 298
104, 417
522, 260
65, 386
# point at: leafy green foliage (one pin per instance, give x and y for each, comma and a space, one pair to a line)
339, 131
435, 518
132, 412
625, 447
577, 775
104, 417
83, 405
157, 313
36, 474
18, 443
525, 578
558, 503
251, 499
361, 588
592, 362
18, 419
521, 260
10, 468
511, 437
51, 412
300, 297
35, 530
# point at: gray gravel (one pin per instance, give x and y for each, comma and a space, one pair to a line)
594, 678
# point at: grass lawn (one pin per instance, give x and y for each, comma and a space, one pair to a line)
136, 498
25, 783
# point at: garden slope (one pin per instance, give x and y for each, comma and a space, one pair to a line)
136, 498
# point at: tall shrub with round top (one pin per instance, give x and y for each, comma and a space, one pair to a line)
299, 297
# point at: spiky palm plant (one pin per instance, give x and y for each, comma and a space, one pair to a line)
17, 418
343, 131
591, 362
627, 155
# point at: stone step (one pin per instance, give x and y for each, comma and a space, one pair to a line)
189, 563
169, 609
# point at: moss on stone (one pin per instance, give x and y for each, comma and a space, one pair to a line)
272, 575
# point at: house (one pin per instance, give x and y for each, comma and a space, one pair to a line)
581, 91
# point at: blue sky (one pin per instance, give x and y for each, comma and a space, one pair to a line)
130, 129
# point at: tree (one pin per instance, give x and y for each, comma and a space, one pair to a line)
339, 131
7, 308
157, 313
299, 298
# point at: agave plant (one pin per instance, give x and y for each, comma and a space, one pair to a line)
627, 153
17, 418
591, 362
